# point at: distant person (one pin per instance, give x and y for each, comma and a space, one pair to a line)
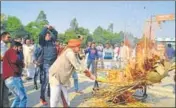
92, 56
100, 48
38, 56
28, 50
124, 55
87, 47
18, 39
91, 61
108, 54
170, 52
116, 52
12, 71
100, 51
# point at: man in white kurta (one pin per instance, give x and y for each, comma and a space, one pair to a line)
61, 71
28, 50
124, 55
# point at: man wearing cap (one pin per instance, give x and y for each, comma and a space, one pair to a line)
61, 71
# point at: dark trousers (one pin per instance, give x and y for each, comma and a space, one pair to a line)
38, 70
4, 100
45, 80
93, 70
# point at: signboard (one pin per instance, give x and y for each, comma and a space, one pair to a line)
165, 17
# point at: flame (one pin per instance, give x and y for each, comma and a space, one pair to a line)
145, 59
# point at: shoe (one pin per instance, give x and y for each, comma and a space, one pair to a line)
28, 78
80, 92
36, 87
43, 102
10, 93
95, 89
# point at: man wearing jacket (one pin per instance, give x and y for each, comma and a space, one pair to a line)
47, 39
12, 71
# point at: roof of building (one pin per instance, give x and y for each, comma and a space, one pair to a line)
165, 39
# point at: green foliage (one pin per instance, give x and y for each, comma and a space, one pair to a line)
111, 27
69, 34
74, 24
32, 30
104, 36
12, 25
42, 18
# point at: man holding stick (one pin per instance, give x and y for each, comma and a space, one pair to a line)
61, 71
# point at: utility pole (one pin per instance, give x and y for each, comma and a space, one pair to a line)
150, 31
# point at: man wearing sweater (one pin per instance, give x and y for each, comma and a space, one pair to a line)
47, 39
61, 71
91, 60
12, 71
92, 56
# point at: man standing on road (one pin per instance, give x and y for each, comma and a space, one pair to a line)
28, 50
5, 39
124, 55
92, 60
47, 39
170, 53
38, 66
12, 71
61, 72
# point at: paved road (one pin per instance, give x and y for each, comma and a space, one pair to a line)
160, 95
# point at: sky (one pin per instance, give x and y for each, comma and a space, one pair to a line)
125, 15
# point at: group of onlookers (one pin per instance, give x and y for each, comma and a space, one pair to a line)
55, 64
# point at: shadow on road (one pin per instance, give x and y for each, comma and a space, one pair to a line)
152, 98
83, 85
77, 100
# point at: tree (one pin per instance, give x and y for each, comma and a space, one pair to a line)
13, 24
98, 34
74, 24
61, 37
69, 34
111, 27
33, 29
42, 18
22, 33
85, 33
3, 19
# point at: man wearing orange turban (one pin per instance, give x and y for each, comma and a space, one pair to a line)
61, 71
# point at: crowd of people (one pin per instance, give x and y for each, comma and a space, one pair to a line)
55, 63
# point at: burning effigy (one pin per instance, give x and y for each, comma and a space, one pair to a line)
145, 69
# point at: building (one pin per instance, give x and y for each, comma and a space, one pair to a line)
166, 41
